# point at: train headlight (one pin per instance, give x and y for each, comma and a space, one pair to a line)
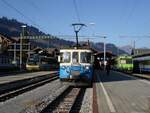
87, 67
63, 67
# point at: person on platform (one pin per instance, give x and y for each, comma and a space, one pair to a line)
108, 68
96, 64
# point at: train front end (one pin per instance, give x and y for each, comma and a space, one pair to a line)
125, 63
32, 65
76, 65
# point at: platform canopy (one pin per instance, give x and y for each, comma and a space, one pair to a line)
100, 55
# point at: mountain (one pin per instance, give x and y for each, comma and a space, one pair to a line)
55, 42
109, 47
12, 28
127, 48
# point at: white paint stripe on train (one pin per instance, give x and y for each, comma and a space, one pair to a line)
136, 78
109, 102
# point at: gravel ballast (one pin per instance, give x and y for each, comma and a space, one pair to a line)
33, 101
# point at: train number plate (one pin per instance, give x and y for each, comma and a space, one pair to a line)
76, 73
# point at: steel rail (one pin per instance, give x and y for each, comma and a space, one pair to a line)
65, 102
13, 93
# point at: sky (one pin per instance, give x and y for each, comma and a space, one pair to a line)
121, 21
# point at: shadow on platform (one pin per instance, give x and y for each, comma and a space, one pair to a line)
112, 77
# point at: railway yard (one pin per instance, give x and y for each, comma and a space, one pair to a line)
76, 56
44, 93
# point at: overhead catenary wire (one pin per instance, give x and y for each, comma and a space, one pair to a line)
30, 2
86, 36
134, 36
132, 10
65, 37
83, 37
20, 13
76, 10
37, 9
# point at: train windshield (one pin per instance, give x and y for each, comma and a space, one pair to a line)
85, 57
31, 62
75, 57
126, 61
65, 57
129, 61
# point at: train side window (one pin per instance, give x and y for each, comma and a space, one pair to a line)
123, 61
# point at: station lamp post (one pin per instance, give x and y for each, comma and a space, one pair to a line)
92, 24
77, 27
22, 36
104, 52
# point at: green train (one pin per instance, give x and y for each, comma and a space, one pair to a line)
124, 63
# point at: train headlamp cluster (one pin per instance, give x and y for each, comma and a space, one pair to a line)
87, 67
63, 67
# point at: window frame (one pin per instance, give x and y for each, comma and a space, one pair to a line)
62, 57
86, 53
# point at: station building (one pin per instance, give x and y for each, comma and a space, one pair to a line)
109, 57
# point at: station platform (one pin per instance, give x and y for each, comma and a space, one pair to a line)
146, 76
21, 76
4, 73
121, 93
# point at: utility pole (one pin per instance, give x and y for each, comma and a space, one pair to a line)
77, 27
104, 52
134, 47
88, 43
15, 53
117, 51
29, 50
92, 24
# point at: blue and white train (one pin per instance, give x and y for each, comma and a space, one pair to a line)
76, 65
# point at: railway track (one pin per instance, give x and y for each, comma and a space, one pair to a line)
22, 89
68, 102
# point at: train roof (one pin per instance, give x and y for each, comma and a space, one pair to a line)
142, 57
